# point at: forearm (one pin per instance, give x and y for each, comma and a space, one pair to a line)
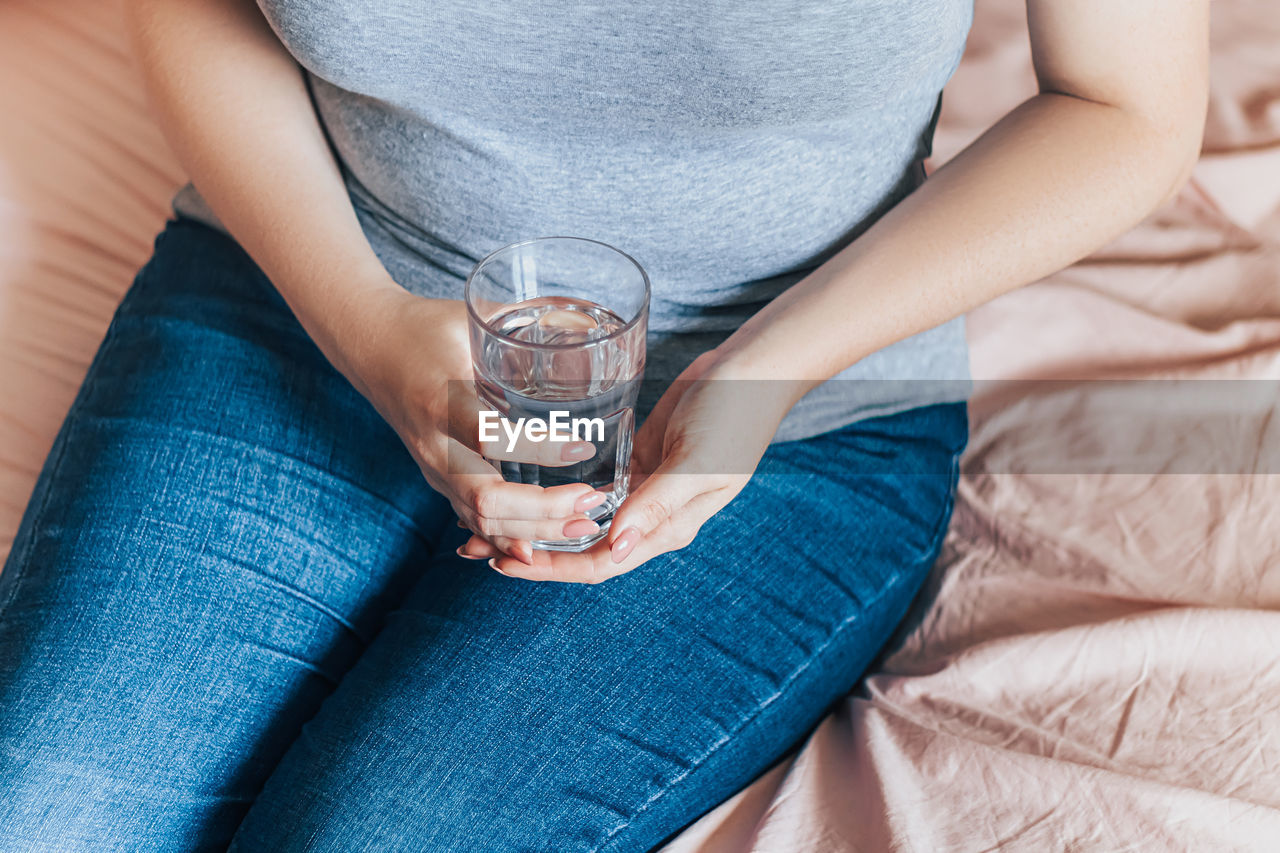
1051, 182
235, 108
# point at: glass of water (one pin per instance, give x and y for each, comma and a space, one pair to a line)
557, 329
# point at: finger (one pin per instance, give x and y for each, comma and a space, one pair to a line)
494, 498
504, 547
647, 447
477, 490
572, 527
655, 423
478, 548
592, 566
564, 566
654, 502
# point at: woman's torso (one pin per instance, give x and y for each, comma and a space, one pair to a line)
729, 147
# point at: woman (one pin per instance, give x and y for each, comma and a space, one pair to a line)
240, 610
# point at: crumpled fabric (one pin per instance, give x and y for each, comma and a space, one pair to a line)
1093, 664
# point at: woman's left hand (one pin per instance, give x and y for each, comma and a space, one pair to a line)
693, 454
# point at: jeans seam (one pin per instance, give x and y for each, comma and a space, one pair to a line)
759, 709
944, 518
930, 554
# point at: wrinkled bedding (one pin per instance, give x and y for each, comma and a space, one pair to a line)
1093, 665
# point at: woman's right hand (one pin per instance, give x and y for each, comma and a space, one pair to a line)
247, 133
411, 358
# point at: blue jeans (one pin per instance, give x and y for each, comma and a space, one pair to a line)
233, 614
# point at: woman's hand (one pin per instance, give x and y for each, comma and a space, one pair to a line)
410, 357
247, 133
694, 453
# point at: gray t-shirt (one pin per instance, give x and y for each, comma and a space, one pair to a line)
728, 146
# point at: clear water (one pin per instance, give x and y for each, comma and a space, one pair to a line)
585, 376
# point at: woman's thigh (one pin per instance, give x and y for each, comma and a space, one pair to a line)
500, 714
214, 538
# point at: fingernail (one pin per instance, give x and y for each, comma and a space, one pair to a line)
589, 500
493, 564
524, 553
578, 451
464, 555
623, 545
462, 524
580, 527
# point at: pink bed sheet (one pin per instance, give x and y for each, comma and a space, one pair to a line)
1094, 663
85, 179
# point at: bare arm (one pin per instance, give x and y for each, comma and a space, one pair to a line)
235, 108
1113, 132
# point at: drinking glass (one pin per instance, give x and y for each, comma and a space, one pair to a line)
557, 328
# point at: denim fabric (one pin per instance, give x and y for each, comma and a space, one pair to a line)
233, 608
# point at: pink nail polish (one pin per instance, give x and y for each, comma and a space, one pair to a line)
589, 500
578, 451
624, 544
580, 527
493, 564
464, 555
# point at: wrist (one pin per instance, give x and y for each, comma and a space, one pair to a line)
377, 330
344, 320
771, 384
366, 328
